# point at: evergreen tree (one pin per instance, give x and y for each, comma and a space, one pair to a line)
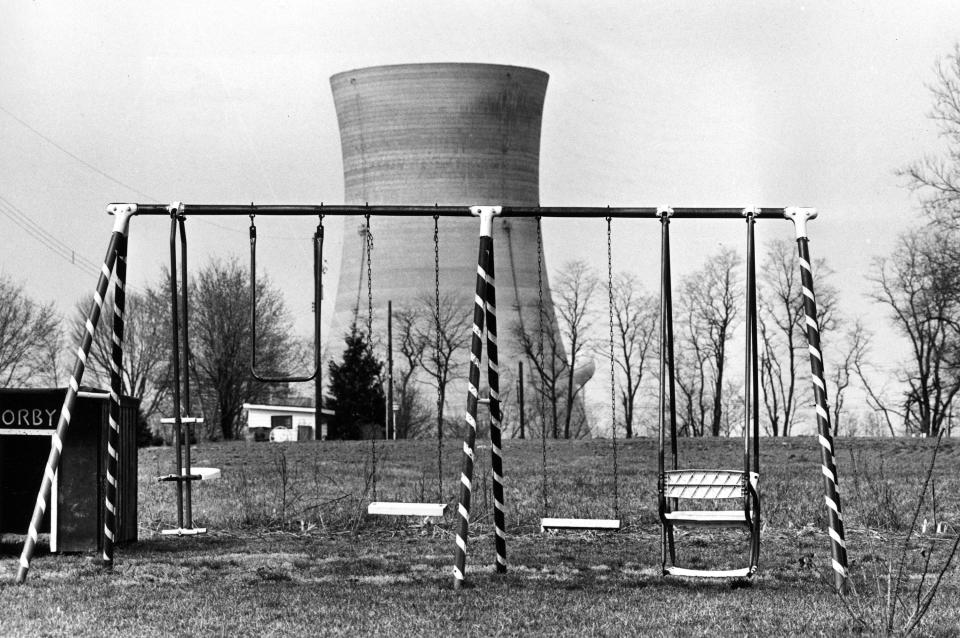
356, 396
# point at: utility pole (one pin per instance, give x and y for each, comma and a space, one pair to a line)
520, 395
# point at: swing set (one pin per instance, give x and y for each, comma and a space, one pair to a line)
676, 485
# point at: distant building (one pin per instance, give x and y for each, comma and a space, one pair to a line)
284, 423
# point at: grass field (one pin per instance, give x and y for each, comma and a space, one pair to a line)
292, 552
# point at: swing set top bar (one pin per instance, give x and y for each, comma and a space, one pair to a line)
648, 212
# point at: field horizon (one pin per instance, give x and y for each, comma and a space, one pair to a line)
292, 550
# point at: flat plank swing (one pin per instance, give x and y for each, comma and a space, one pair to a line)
596, 524
390, 508
582, 524
396, 508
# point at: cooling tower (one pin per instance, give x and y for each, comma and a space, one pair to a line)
420, 134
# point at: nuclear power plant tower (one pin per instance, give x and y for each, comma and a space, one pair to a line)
449, 134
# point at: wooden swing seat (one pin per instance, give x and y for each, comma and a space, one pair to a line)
390, 508
597, 524
744, 572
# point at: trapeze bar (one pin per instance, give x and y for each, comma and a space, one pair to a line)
649, 212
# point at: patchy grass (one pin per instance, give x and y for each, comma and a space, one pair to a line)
291, 550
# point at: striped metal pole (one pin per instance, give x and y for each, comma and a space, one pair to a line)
116, 390
175, 360
120, 227
470, 432
185, 367
493, 380
838, 546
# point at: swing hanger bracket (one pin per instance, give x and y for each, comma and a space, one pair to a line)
122, 213
664, 211
800, 215
486, 215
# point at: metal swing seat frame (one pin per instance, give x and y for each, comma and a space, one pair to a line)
676, 486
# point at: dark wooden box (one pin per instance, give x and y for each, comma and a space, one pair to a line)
27, 418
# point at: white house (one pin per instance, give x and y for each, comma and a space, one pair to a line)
284, 422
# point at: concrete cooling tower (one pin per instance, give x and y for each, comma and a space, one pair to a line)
451, 134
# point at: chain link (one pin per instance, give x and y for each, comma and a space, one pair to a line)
439, 345
613, 386
369, 240
543, 416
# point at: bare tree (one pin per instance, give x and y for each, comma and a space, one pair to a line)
221, 343
920, 284
145, 373
29, 333
413, 418
709, 309
782, 330
635, 330
572, 295
555, 345
937, 178
731, 421
544, 350
843, 368
444, 336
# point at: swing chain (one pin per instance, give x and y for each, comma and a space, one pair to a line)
540, 394
439, 346
613, 388
369, 240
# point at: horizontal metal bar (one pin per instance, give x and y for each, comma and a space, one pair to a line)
648, 212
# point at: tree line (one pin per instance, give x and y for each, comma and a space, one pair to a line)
917, 285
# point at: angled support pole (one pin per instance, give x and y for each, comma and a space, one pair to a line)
116, 391
484, 315
799, 217
122, 214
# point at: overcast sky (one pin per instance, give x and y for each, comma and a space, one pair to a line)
649, 103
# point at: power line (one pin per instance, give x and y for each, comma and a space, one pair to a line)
48, 240
116, 181
75, 157
40, 234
